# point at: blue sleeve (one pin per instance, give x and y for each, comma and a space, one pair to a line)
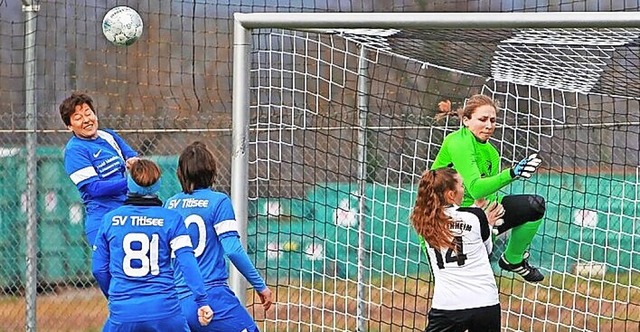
127, 151
237, 255
78, 165
100, 262
187, 263
102, 188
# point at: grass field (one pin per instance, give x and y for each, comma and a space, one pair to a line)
566, 303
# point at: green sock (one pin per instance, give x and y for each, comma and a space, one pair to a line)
519, 240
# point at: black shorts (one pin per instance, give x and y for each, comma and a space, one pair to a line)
483, 319
520, 209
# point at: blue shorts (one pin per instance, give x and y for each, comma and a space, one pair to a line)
229, 315
173, 323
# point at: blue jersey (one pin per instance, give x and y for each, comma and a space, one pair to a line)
132, 261
209, 217
89, 160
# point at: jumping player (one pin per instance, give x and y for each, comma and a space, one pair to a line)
95, 160
470, 153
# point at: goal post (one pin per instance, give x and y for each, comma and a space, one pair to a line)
334, 121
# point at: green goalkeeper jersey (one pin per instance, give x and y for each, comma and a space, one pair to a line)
478, 163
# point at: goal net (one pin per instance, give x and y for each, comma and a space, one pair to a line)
342, 124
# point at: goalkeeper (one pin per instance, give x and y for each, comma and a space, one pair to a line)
469, 152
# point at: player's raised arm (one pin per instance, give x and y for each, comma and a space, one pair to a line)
526, 167
470, 152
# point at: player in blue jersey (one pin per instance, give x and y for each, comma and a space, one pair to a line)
212, 225
95, 160
132, 260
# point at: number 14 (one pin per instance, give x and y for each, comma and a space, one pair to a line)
452, 256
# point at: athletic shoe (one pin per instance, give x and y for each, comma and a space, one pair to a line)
528, 272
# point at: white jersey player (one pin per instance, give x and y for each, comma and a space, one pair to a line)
458, 242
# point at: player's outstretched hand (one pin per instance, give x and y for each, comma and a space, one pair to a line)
481, 203
266, 297
495, 212
205, 315
527, 166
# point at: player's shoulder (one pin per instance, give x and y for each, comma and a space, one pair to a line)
108, 134
470, 209
214, 197
176, 196
74, 144
219, 195
107, 131
457, 136
472, 213
122, 209
171, 214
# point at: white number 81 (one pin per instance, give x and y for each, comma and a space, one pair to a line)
147, 255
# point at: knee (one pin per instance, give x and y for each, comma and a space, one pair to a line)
537, 204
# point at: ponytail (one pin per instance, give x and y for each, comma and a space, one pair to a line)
428, 216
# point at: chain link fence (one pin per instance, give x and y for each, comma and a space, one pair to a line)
170, 88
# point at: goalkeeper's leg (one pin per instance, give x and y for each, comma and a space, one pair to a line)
520, 240
523, 216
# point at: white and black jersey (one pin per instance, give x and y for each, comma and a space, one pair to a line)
464, 278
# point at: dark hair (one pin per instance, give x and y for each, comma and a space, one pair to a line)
68, 106
470, 106
196, 167
428, 216
144, 172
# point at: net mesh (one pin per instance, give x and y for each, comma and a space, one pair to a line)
173, 86
322, 195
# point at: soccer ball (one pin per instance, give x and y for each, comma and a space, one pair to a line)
122, 26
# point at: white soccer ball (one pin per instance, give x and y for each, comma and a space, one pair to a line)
122, 26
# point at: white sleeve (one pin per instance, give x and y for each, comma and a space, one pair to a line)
488, 243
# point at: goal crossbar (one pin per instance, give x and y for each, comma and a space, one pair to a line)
245, 23
436, 20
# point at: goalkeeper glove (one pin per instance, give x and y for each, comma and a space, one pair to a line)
526, 167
